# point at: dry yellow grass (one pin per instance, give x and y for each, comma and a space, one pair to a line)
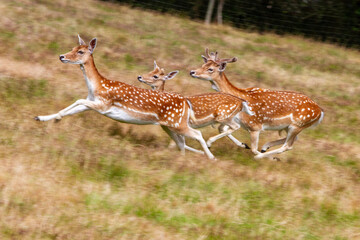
88, 177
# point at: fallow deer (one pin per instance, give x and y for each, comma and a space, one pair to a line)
208, 108
126, 103
274, 110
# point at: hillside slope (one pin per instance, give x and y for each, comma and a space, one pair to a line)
89, 177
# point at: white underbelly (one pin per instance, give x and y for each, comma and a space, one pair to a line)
279, 123
199, 123
274, 128
129, 116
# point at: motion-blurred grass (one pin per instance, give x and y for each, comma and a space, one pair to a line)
88, 177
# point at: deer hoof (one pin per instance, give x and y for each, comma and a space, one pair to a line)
36, 118
264, 150
246, 146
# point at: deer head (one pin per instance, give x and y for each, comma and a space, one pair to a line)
156, 78
212, 67
79, 54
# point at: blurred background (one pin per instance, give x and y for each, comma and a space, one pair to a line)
325, 20
89, 177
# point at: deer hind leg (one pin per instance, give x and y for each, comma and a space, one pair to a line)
196, 134
190, 148
290, 139
254, 135
180, 141
268, 145
173, 144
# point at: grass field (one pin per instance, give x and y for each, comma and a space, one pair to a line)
89, 177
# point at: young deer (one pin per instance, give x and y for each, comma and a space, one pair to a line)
274, 110
126, 103
208, 108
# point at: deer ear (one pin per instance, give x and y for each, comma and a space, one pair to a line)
222, 66
92, 45
81, 42
205, 59
171, 75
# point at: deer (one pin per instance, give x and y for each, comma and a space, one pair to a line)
274, 110
127, 103
208, 109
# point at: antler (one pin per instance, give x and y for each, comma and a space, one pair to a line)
229, 60
213, 56
207, 53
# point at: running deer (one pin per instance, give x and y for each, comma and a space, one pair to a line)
128, 104
274, 110
208, 108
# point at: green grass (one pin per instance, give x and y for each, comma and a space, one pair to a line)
15, 90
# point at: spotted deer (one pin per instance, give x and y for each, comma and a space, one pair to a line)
274, 110
208, 108
126, 103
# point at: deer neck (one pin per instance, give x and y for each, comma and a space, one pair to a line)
162, 86
92, 77
222, 84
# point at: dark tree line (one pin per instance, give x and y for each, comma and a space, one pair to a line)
326, 20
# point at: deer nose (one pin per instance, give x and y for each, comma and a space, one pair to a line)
61, 57
192, 73
139, 77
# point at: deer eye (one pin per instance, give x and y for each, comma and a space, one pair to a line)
80, 52
210, 70
156, 77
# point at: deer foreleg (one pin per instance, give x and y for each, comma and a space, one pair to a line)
217, 137
237, 142
70, 110
77, 107
223, 128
